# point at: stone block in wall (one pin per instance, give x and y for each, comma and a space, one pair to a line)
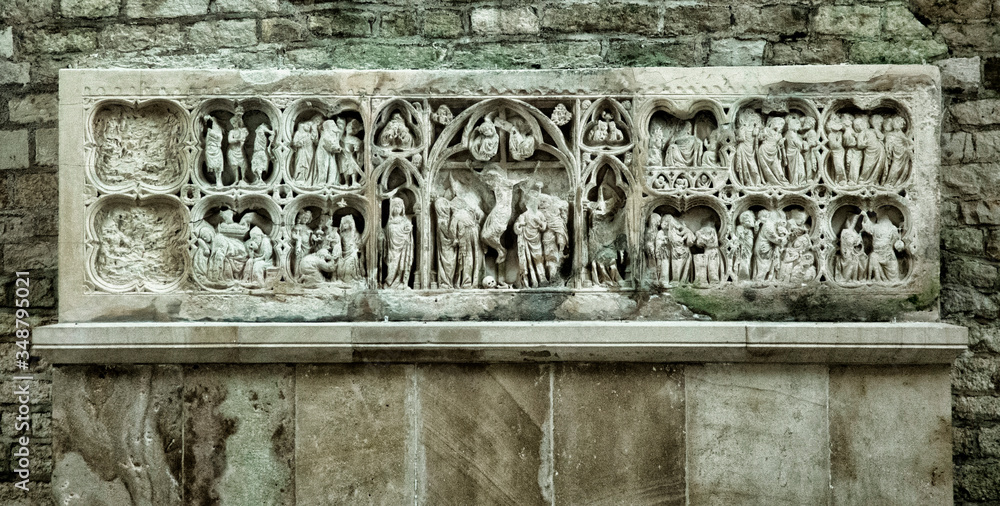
624, 18
224, 33
105, 417
443, 23
7, 42
33, 108
492, 21
849, 20
890, 435
239, 433
353, 434
47, 146
89, 8
484, 434
960, 74
165, 8
619, 432
757, 434
13, 73
13, 149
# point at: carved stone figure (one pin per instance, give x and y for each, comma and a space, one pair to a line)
139, 145
350, 268
521, 141
237, 136
528, 228
465, 220
447, 250
679, 238
852, 262
606, 242
657, 143
315, 266
214, 159
748, 125
797, 264
795, 148
811, 144
398, 248
485, 141
770, 153
561, 115
301, 234
396, 135
260, 254
496, 221
708, 265
769, 245
204, 235
443, 116
743, 253
650, 245
304, 145
261, 152
555, 237
872, 141
838, 153
350, 153
899, 150
327, 172
882, 262
854, 155
683, 149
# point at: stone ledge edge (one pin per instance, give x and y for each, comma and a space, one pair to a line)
475, 342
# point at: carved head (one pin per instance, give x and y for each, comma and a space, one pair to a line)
877, 121
808, 123
396, 207
347, 224
861, 123
304, 217
794, 124
654, 221
489, 282
747, 219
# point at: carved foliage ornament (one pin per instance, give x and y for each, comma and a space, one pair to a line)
246, 193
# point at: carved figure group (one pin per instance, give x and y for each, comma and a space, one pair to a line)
138, 145
233, 252
868, 148
326, 252
231, 154
685, 144
880, 264
328, 152
460, 252
605, 132
139, 244
541, 238
782, 248
784, 150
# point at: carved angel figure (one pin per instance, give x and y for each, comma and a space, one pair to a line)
214, 160
398, 246
485, 141
521, 142
657, 143
396, 135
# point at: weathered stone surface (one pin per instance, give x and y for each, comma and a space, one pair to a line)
35, 190
47, 146
966, 240
13, 73
849, 20
70, 41
239, 433
772, 21
975, 375
482, 434
7, 42
969, 271
165, 8
684, 52
823, 51
354, 425
225, 33
117, 435
736, 52
362, 55
250, 6
13, 149
958, 11
165, 37
619, 434
625, 18
89, 8
443, 23
890, 433
981, 36
960, 74
34, 108
977, 409
694, 19
993, 244
976, 112
276, 30
965, 299
402, 23
514, 55
902, 52
491, 21
979, 480
341, 23
769, 422
901, 23
15, 12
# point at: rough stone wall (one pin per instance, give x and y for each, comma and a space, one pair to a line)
38, 37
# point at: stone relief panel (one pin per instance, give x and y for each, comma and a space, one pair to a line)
303, 193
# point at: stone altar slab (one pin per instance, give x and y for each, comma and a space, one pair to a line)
804, 193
